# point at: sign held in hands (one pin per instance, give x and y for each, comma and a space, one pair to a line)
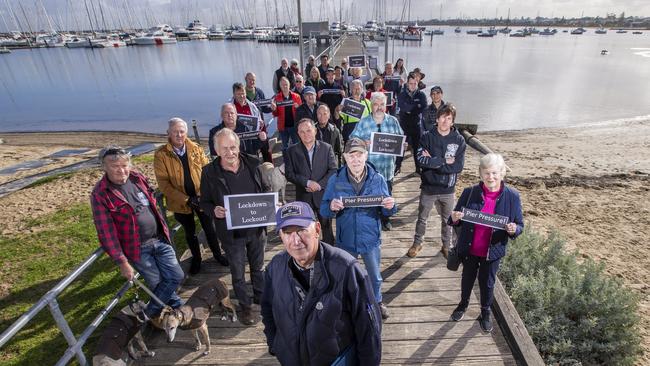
485, 219
387, 144
250, 210
362, 201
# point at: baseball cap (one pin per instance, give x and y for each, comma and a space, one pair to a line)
355, 144
295, 213
309, 89
436, 88
330, 69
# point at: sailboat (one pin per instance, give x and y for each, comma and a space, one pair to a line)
439, 32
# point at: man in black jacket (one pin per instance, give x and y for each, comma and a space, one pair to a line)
309, 165
411, 102
235, 173
441, 156
308, 108
326, 131
285, 71
318, 307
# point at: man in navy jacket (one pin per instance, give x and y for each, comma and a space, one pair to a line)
317, 306
411, 102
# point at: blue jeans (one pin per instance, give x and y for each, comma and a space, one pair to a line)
162, 273
372, 261
288, 133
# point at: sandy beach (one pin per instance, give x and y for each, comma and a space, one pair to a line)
589, 183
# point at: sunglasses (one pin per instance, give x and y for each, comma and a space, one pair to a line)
115, 151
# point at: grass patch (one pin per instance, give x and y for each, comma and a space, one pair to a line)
33, 263
575, 313
143, 159
48, 179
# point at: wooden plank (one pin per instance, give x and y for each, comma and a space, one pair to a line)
514, 329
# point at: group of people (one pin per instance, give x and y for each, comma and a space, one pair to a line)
318, 305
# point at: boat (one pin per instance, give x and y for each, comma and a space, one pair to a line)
604, 52
412, 33
5, 50
241, 34
438, 32
111, 41
547, 32
519, 33
505, 30
485, 34
533, 30
621, 31
577, 31
457, 30
196, 30
335, 27
371, 26
158, 35
474, 31
259, 33
78, 42
637, 32
601, 30
215, 33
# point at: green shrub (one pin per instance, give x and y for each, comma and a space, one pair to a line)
575, 313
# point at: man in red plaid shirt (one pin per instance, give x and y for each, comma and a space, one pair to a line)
132, 231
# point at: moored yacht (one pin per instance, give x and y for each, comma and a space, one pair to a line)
158, 35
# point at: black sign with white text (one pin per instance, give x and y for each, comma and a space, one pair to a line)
485, 219
263, 102
353, 108
357, 61
251, 122
250, 135
284, 103
331, 91
250, 210
389, 98
387, 144
362, 201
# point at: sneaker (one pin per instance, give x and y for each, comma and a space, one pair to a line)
384, 311
386, 226
221, 259
246, 316
485, 322
195, 267
458, 313
414, 250
444, 251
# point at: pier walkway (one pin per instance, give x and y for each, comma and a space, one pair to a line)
419, 292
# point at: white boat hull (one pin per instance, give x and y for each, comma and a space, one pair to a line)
156, 41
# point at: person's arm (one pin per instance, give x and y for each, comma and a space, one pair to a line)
365, 315
329, 194
517, 214
260, 96
462, 202
275, 82
426, 155
456, 167
384, 192
164, 180
291, 169
266, 311
331, 167
206, 200
106, 230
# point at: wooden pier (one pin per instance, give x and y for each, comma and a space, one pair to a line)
419, 292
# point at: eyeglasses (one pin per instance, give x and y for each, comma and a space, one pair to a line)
298, 81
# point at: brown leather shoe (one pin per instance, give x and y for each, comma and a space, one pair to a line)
414, 250
444, 251
246, 316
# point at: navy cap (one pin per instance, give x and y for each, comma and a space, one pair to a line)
295, 213
309, 89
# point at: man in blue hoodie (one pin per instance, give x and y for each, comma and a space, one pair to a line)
441, 155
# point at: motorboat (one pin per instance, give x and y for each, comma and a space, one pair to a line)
215, 33
111, 41
4, 50
412, 33
158, 35
621, 31
474, 31
196, 30
457, 30
637, 32
78, 42
259, 33
518, 33
371, 26
438, 32
547, 32
601, 30
241, 34
335, 27
577, 31
505, 30
486, 34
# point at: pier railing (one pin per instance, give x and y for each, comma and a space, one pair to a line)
50, 300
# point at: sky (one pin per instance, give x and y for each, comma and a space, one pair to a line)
72, 14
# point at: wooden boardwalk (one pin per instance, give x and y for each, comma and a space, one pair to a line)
420, 293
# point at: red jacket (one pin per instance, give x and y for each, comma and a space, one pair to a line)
116, 224
279, 111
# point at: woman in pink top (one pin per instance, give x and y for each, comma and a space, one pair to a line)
482, 247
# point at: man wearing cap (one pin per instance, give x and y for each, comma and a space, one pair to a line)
308, 165
379, 121
317, 307
308, 108
442, 156
429, 114
235, 173
132, 231
332, 93
358, 229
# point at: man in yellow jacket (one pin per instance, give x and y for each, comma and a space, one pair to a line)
178, 166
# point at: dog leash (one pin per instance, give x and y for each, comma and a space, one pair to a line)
146, 289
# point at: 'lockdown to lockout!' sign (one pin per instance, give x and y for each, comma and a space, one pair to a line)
353, 108
387, 144
485, 219
250, 210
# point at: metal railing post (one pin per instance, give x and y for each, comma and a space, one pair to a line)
65, 329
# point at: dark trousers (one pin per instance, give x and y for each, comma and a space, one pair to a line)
240, 251
385, 219
487, 273
411, 128
326, 228
266, 154
189, 226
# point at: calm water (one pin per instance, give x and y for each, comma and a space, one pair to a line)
499, 83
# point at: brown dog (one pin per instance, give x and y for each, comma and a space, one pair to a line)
119, 336
196, 311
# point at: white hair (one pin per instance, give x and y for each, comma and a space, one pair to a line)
225, 132
176, 121
113, 152
377, 96
492, 160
